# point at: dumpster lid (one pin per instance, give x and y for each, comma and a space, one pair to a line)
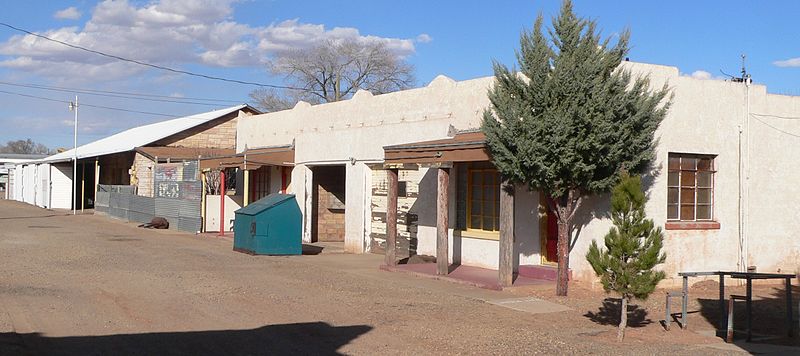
264, 203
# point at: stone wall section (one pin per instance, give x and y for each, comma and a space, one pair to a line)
144, 173
218, 133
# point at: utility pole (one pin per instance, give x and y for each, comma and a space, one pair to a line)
73, 106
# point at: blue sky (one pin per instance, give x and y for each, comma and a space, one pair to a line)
230, 39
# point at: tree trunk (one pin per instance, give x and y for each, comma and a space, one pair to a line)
623, 319
565, 208
563, 256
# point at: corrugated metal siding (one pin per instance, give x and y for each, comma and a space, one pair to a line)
10, 187
120, 202
18, 182
29, 184
61, 186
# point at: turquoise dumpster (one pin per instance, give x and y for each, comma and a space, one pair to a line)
270, 226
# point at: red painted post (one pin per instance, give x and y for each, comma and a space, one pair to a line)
221, 202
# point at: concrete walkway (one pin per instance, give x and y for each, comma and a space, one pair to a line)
474, 276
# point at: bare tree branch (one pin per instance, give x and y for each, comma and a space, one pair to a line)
25, 146
334, 70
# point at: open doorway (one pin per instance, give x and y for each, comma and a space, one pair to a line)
84, 185
328, 203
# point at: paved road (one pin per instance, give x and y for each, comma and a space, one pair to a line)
91, 285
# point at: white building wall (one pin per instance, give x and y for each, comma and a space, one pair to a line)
61, 186
706, 117
232, 203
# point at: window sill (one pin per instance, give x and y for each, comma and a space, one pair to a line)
481, 235
691, 225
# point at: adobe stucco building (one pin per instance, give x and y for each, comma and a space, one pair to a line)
722, 186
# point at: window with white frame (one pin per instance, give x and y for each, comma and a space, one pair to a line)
690, 185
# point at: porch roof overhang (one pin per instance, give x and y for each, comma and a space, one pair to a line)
463, 147
183, 153
252, 159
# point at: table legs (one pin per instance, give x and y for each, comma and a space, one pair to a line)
749, 308
685, 302
789, 314
722, 315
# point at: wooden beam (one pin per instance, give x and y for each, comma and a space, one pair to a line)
442, 221
506, 267
436, 165
406, 166
391, 218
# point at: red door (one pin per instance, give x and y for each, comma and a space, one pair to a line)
551, 243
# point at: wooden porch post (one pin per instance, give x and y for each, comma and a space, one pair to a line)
506, 268
96, 178
203, 201
221, 202
246, 192
391, 217
83, 185
442, 222
284, 180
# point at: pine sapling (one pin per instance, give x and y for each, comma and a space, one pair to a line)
632, 249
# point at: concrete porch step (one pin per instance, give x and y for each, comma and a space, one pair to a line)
544, 272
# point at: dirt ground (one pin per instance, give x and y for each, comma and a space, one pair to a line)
91, 285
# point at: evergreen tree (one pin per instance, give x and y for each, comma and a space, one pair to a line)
570, 119
632, 249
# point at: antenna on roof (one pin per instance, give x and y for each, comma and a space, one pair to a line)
745, 78
745, 75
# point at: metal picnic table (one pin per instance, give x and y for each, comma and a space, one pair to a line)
748, 277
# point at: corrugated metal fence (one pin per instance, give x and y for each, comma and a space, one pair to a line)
119, 201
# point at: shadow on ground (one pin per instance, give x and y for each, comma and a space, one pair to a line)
31, 217
769, 315
312, 250
608, 314
316, 338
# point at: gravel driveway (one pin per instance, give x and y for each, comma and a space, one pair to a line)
91, 285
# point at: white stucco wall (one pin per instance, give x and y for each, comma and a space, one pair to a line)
706, 117
232, 203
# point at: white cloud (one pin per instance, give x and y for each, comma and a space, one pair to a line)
424, 38
291, 34
70, 13
701, 74
791, 62
169, 32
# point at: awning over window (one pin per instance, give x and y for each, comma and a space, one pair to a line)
463, 147
252, 159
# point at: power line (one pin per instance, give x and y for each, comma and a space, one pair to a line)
122, 93
42, 87
179, 71
88, 105
777, 129
777, 116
